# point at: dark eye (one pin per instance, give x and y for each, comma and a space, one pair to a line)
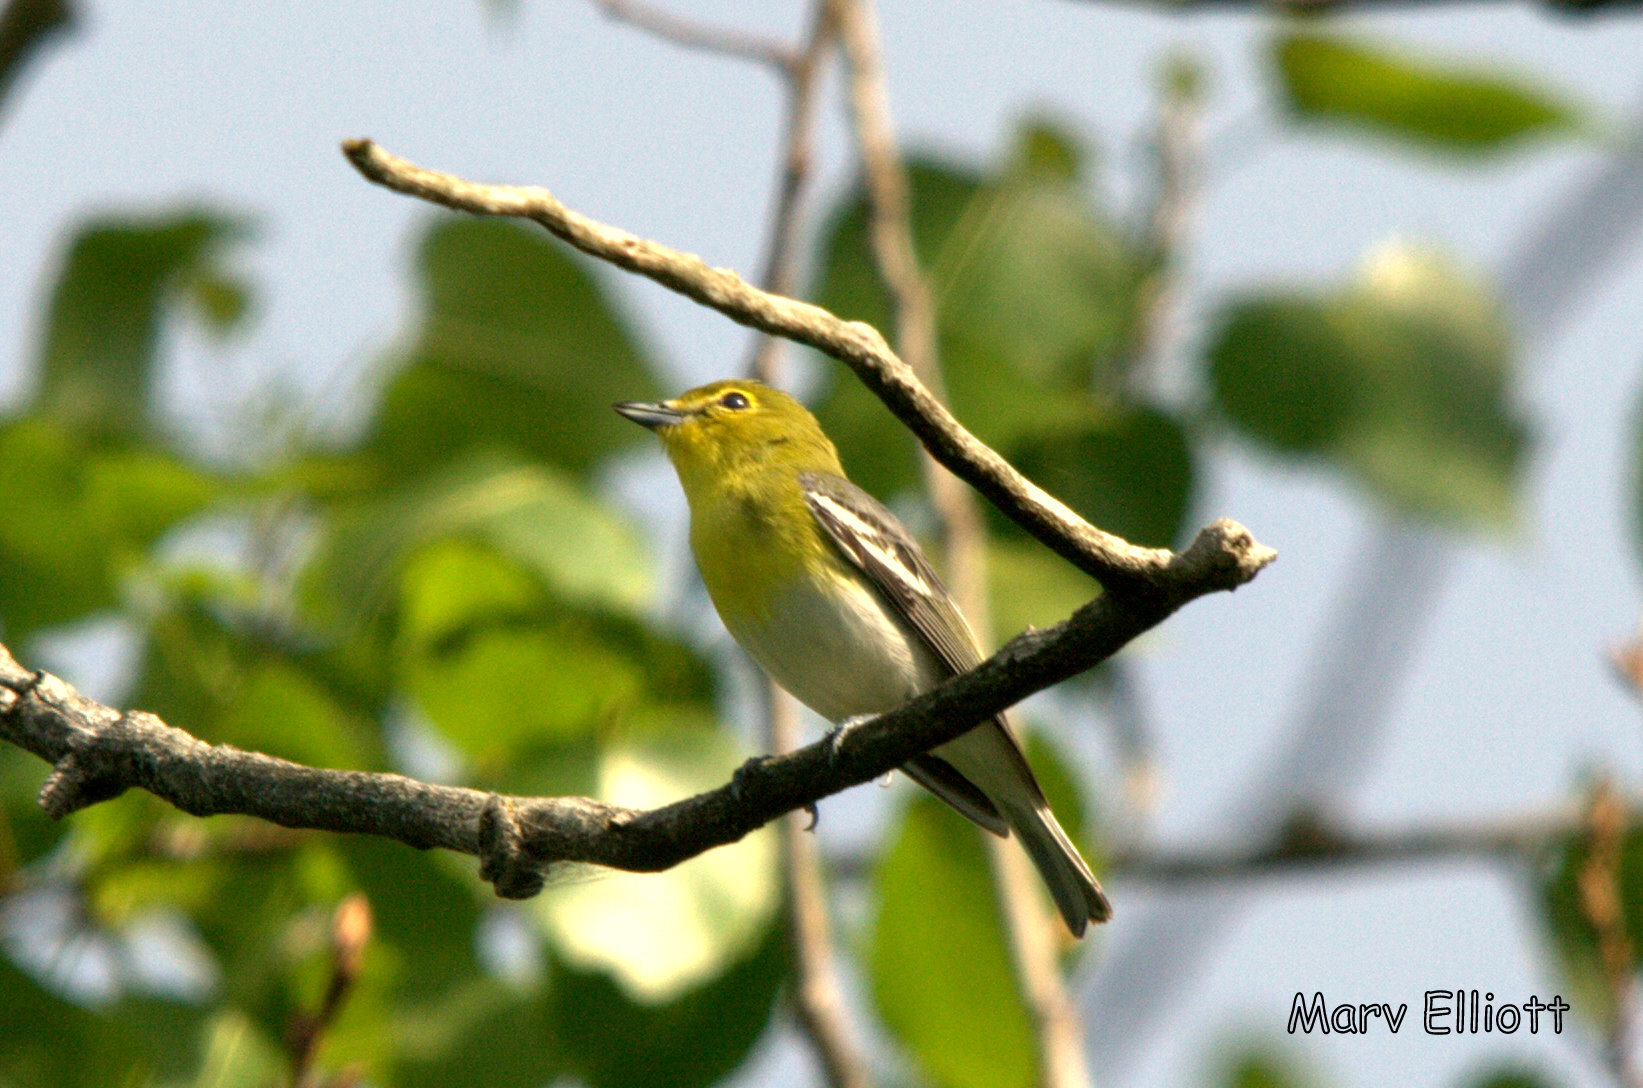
734, 401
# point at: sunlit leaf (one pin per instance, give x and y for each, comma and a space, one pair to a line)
1403, 378
1441, 104
1030, 586
658, 935
519, 350
937, 963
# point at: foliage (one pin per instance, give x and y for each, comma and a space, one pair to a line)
469, 602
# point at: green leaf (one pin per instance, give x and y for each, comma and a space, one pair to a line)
939, 970
579, 549
1511, 1076
91, 514
1030, 586
1126, 470
1428, 102
498, 667
1035, 292
1402, 378
1265, 1069
659, 935
519, 350
102, 330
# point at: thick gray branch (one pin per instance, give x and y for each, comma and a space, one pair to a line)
98, 752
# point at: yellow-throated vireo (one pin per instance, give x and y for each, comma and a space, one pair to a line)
833, 598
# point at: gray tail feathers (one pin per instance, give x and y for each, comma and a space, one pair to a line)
1073, 887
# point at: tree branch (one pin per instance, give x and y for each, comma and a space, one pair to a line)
98, 752
1121, 567
689, 34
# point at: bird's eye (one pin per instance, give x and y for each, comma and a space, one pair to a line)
734, 401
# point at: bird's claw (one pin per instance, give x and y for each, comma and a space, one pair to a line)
836, 735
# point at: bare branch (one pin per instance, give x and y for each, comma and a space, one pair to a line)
724, 41
1319, 848
98, 752
781, 263
1029, 927
1121, 567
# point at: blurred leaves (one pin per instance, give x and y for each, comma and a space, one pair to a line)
1039, 293
1403, 378
518, 350
103, 326
937, 962
1431, 103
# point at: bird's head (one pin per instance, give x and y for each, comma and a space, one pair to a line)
734, 429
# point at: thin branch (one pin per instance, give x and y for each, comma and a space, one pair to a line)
813, 990
1320, 849
724, 41
1151, 573
98, 753
781, 263
1028, 925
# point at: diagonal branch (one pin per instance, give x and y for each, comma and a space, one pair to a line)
689, 34
99, 752
1151, 573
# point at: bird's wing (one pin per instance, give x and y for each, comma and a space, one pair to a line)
877, 544
881, 548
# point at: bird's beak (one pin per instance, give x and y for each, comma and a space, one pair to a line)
650, 415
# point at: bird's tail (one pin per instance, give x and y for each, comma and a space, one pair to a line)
1074, 888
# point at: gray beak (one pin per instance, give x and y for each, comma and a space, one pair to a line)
649, 415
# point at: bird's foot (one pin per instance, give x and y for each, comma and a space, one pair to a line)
836, 735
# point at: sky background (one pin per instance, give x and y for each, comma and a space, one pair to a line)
1507, 702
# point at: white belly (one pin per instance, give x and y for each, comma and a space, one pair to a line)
839, 652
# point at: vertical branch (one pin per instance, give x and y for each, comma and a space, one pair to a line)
818, 1002
1177, 159
1030, 927
781, 263
350, 930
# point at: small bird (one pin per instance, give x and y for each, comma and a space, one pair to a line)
834, 599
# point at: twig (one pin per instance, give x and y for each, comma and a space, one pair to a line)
350, 930
1177, 155
781, 263
99, 752
818, 1001
1154, 574
1328, 850
725, 41
1027, 924
814, 991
